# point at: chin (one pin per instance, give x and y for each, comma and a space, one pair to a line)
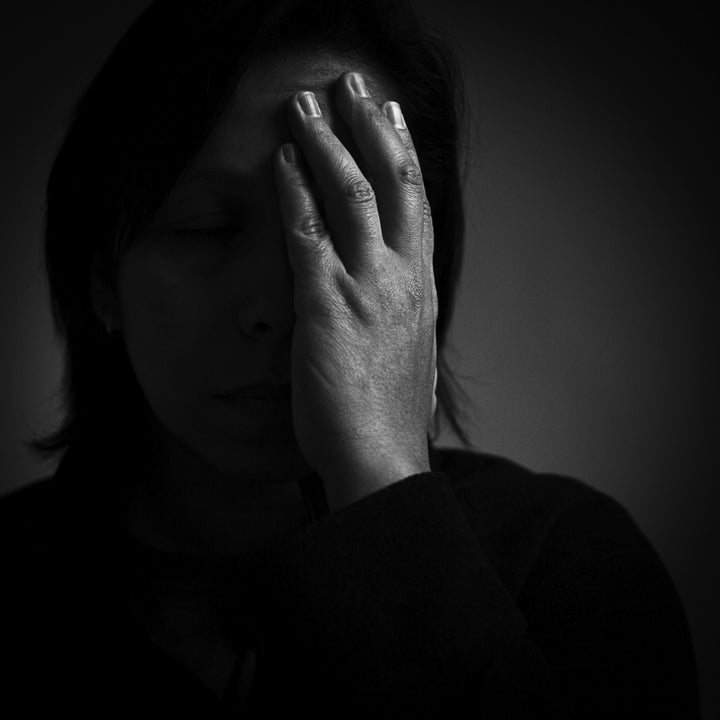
235, 445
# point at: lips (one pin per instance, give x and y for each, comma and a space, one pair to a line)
258, 390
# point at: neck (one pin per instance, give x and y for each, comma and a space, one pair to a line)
181, 503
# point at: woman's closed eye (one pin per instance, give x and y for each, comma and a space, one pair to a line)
222, 233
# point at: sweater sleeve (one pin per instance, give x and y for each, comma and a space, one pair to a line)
390, 608
398, 606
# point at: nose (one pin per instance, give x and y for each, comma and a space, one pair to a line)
268, 310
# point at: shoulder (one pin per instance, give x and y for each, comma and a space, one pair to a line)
502, 490
35, 557
593, 590
530, 522
53, 514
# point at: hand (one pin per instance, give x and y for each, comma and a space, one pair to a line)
364, 350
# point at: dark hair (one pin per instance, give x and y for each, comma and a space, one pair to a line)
147, 112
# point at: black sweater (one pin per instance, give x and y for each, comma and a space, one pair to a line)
479, 590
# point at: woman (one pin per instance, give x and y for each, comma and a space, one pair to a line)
253, 237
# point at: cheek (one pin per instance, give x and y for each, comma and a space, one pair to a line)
167, 318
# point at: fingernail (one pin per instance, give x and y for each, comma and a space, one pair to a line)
288, 151
309, 104
395, 116
357, 83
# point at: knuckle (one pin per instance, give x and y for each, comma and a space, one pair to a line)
359, 191
312, 226
409, 174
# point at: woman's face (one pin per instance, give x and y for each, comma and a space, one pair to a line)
206, 293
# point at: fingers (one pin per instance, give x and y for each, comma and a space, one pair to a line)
393, 112
384, 149
310, 248
392, 109
363, 220
350, 208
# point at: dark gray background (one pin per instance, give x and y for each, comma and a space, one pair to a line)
585, 329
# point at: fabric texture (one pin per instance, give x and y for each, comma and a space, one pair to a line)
478, 590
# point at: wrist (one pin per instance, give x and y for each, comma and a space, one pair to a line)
346, 486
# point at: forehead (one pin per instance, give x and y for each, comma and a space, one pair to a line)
254, 123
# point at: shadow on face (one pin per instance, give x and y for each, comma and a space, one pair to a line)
206, 293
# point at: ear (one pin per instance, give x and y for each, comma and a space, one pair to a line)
105, 301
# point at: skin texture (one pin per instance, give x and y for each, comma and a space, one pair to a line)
313, 279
